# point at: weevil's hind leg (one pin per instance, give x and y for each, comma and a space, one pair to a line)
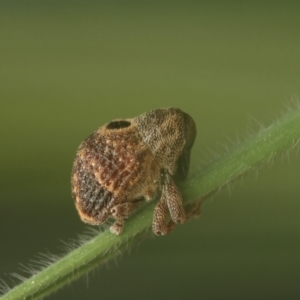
121, 212
117, 227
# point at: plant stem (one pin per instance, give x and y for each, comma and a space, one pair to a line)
257, 149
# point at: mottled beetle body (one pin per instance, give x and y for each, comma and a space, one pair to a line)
126, 161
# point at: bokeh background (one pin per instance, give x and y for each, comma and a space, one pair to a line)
67, 67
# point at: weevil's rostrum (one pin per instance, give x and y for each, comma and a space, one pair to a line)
127, 161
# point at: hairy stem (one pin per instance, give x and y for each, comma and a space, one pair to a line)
257, 149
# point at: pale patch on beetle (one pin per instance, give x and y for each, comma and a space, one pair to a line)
126, 161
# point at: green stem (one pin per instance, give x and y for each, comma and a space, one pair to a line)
257, 149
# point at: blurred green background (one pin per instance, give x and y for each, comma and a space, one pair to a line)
67, 67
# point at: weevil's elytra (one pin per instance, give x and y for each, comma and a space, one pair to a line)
127, 161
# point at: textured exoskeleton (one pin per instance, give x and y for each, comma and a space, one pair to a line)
126, 161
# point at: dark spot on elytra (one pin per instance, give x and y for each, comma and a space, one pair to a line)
118, 124
93, 196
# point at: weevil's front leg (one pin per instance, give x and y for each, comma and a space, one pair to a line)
174, 200
121, 212
179, 214
171, 201
159, 224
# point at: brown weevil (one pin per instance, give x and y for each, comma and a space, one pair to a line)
126, 161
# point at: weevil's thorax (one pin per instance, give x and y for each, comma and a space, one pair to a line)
167, 132
112, 166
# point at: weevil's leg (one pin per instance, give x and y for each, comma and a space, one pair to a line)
170, 201
159, 224
117, 227
121, 212
173, 199
193, 209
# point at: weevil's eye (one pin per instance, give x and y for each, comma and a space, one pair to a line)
118, 124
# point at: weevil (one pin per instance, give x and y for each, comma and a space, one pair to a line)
128, 161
